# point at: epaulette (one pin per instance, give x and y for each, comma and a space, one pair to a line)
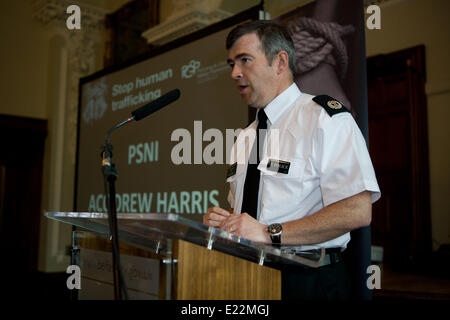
331, 105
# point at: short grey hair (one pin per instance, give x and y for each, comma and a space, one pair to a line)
274, 38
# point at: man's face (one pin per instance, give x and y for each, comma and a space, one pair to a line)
253, 75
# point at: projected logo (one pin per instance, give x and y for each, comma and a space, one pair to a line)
189, 70
96, 103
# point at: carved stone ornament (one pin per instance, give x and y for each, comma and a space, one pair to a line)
187, 16
48, 11
82, 47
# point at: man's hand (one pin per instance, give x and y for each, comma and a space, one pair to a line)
247, 227
215, 216
242, 225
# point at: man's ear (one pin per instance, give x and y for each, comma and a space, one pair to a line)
283, 62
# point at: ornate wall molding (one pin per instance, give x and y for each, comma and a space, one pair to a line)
80, 55
187, 16
82, 48
48, 11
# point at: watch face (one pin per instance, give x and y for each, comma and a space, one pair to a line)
274, 228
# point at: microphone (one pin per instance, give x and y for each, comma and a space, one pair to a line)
155, 105
148, 109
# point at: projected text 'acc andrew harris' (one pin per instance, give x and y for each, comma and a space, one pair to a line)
184, 202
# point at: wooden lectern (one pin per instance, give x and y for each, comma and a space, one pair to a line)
178, 258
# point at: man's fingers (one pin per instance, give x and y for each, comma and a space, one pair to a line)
219, 211
230, 224
217, 214
213, 223
213, 216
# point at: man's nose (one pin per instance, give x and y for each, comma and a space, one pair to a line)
236, 72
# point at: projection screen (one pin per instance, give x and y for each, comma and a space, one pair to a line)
175, 160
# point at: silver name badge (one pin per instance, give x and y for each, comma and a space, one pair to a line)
278, 166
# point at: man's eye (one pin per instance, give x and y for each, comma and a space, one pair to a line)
245, 60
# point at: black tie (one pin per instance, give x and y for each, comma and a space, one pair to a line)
251, 186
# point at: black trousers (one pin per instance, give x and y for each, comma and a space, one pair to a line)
329, 282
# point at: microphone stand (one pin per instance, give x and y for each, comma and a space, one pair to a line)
110, 175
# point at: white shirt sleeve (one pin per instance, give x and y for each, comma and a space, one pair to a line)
342, 160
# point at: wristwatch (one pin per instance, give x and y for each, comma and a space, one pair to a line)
275, 230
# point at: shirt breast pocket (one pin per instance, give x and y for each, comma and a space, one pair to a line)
282, 179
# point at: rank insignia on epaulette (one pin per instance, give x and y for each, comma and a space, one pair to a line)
331, 105
334, 104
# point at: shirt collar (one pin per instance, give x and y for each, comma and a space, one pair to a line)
281, 103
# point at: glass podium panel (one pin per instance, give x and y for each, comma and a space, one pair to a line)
153, 230
146, 275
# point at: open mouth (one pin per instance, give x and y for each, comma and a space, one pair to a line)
242, 88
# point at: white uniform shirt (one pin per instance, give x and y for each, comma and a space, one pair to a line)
328, 157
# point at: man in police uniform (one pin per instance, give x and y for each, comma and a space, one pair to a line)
318, 184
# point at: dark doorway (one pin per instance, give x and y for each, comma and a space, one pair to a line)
21, 159
398, 140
